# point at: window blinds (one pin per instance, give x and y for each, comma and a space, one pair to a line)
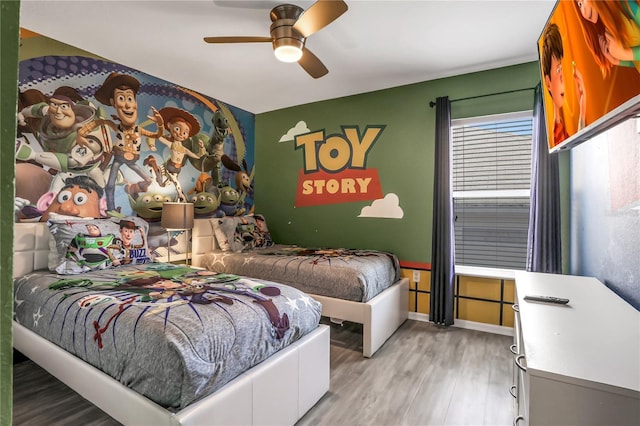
491, 160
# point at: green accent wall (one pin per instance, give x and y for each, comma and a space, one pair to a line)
9, 32
403, 156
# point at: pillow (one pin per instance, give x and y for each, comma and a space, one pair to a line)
81, 245
238, 233
54, 258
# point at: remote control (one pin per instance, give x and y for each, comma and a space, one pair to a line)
547, 299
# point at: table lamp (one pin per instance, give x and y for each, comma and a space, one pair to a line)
177, 216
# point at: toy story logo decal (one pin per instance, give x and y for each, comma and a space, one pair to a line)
334, 170
335, 167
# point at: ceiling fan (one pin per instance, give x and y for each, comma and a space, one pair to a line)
290, 27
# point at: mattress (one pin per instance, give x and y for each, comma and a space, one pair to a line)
348, 274
171, 333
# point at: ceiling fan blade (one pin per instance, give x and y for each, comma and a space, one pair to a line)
319, 15
311, 64
238, 39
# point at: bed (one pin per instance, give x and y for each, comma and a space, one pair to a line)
381, 306
279, 387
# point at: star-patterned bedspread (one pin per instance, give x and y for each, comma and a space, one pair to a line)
171, 333
349, 274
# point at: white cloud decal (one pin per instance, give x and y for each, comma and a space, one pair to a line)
299, 129
387, 207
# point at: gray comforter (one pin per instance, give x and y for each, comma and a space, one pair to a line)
170, 333
356, 275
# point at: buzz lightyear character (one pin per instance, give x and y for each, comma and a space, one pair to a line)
93, 250
62, 116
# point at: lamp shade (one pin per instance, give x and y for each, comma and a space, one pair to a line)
177, 215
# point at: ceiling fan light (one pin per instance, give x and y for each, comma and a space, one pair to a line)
288, 53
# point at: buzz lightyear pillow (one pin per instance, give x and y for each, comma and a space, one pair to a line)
80, 245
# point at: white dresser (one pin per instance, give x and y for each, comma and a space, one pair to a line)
575, 364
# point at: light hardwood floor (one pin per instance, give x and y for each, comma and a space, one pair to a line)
424, 375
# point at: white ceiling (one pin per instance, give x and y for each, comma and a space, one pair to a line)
375, 45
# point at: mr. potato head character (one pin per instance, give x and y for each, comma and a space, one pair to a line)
80, 196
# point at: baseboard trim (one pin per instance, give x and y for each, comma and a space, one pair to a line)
471, 325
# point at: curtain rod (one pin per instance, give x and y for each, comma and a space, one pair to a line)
432, 103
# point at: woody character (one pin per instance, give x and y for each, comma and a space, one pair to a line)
128, 230
120, 91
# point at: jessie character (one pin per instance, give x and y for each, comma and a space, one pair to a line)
181, 125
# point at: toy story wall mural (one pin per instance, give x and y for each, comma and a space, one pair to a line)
98, 139
335, 169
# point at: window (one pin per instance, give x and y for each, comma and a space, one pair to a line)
491, 188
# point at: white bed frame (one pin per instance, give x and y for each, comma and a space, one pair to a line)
380, 317
278, 391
